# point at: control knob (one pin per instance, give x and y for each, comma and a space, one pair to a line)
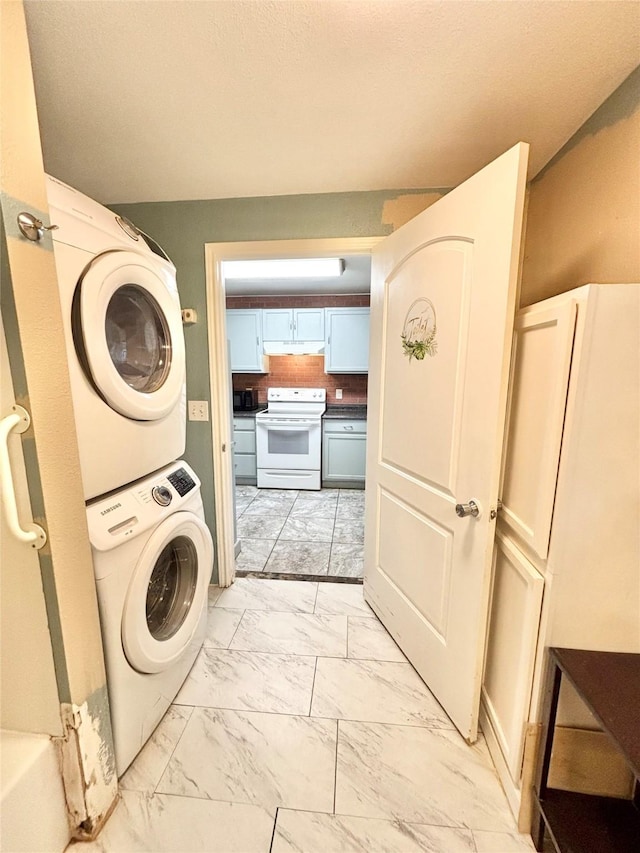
161, 495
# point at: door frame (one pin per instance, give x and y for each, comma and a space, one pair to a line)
221, 438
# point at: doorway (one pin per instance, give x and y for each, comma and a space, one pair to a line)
221, 399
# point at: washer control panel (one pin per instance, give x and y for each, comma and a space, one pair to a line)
138, 508
161, 495
181, 481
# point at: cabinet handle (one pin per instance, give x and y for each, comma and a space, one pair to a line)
348, 427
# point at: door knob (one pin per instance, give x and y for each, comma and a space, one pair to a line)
471, 508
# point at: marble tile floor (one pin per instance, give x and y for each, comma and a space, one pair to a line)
303, 729
302, 533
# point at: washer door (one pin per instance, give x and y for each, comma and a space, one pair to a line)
128, 334
167, 593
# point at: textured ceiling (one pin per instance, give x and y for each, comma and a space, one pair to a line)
145, 100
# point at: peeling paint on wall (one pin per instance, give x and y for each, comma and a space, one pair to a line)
583, 221
396, 211
88, 760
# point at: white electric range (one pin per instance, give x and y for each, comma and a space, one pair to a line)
289, 438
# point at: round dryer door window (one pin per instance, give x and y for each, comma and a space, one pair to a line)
138, 338
167, 594
128, 333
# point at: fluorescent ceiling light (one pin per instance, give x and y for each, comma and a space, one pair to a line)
284, 268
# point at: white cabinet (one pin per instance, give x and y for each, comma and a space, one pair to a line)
293, 324
515, 618
344, 451
346, 340
277, 324
567, 555
244, 331
244, 450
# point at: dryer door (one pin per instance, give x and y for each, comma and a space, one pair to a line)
167, 593
128, 334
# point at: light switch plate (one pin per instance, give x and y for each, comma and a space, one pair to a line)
198, 410
338, 393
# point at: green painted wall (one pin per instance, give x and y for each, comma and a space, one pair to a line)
183, 227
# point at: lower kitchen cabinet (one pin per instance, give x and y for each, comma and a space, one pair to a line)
344, 451
244, 451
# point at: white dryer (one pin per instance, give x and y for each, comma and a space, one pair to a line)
153, 557
125, 342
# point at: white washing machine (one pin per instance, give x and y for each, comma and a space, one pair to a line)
125, 342
152, 556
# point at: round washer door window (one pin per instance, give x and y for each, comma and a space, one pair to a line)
128, 326
167, 593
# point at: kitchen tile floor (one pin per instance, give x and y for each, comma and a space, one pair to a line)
303, 729
290, 532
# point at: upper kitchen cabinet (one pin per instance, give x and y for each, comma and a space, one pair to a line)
293, 324
346, 340
244, 330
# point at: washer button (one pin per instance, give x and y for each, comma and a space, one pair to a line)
161, 495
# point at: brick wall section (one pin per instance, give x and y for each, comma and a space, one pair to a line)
357, 300
302, 371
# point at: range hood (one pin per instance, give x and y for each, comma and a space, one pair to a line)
293, 347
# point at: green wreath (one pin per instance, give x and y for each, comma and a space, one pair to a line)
418, 349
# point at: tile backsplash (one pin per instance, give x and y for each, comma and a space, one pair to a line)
303, 371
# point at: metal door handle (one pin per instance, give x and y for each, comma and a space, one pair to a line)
471, 508
31, 534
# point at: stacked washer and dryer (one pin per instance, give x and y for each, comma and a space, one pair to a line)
152, 552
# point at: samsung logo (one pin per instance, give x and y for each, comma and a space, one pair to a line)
109, 509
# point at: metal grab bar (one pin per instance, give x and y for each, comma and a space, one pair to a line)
32, 534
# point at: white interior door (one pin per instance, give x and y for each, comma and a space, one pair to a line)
443, 296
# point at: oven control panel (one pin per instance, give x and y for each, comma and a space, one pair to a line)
297, 395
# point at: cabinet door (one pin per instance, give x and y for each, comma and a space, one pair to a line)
511, 648
344, 456
540, 368
245, 466
245, 340
308, 324
347, 340
277, 324
245, 442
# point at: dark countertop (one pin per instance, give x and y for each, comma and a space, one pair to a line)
350, 413
244, 413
